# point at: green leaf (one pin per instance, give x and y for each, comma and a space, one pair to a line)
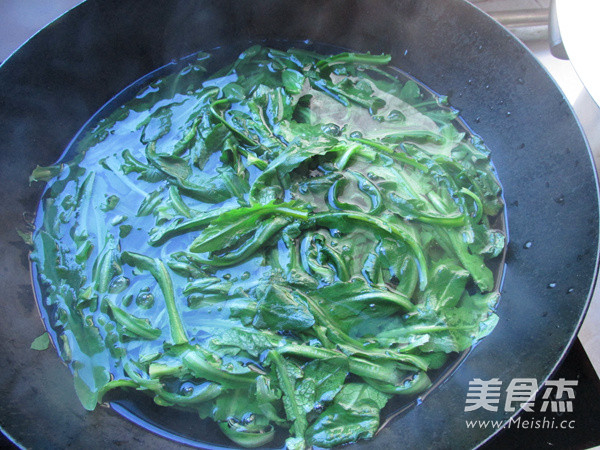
411, 92
150, 203
229, 227
173, 166
106, 266
87, 397
254, 342
206, 188
146, 172
474, 263
133, 325
181, 226
487, 242
295, 443
204, 364
287, 374
451, 329
42, 342
111, 203
160, 273
396, 230
336, 426
353, 416
287, 161
351, 303
200, 394
396, 256
41, 173
241, 418
279, 309
473, 319
247, 438
447, 284
234, 91
89, 384
156, 125
26, 236
124, 230
293, 81
321, 382
326, 64
356, 395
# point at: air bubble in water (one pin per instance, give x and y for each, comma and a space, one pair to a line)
145, 300
186, 388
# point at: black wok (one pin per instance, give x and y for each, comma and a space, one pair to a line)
54, 83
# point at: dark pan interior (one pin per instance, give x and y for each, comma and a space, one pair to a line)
53, 84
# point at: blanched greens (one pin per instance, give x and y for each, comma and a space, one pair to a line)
289, 242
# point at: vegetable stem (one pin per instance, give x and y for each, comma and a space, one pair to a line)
331, 218
394, 154
160, 273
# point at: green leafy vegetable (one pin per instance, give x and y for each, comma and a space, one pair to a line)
353, 415
290, 243
42, 342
